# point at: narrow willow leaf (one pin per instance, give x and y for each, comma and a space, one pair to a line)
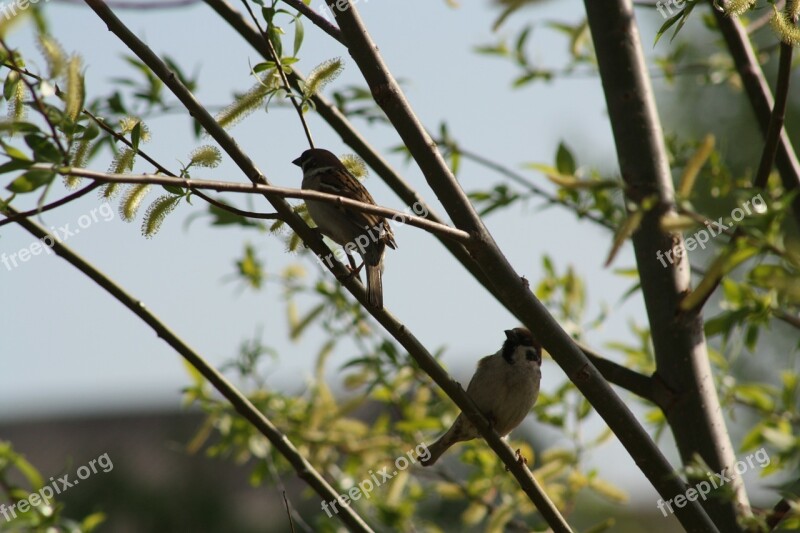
299, 33
322, 74
788, 32
75, 89
10, 85
206, 156
565, 162
53, 54
724, 263
625, 231
694, 165
737, 8
246, 103
132, 200
157, 212
355, 165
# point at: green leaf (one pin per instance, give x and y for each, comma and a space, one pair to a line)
667, 25
300, 325
565, 162
14, 164
626, 230
724, 263
10, 85
14, 153
136, 135
43, 149
31, 181
299, 33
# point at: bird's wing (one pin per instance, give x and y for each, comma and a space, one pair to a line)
349, 187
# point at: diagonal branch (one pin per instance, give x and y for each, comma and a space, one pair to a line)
695, 415
395, 328
511, 289
761, 100
320, 21
240, 402
331, 114
278, 192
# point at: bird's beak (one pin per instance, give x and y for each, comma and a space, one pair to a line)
297, 162
510, 335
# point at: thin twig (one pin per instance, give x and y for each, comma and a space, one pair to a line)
398, 330
127, 4
525, 182
281, 192
760, 97
288, 511
239, 401
317, 19
771, 143
510, 287
279, 67
164, 170
410, 196
40, 108
121, 138
47, 207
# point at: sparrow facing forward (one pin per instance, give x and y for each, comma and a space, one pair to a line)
323, 172
505, 387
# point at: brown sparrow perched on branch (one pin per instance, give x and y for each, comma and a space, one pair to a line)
505, 387
353, 229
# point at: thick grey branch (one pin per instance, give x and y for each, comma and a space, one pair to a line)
695, 415
511, 289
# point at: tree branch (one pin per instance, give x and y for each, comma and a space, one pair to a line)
350, 136
695, 415
417, 351
65, 200
511, 289
279, 192
317, 19
240, 402
761, 100
279, 67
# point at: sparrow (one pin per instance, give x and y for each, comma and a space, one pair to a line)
370, 234
505, 387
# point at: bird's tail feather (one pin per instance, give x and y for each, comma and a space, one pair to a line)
375, 286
